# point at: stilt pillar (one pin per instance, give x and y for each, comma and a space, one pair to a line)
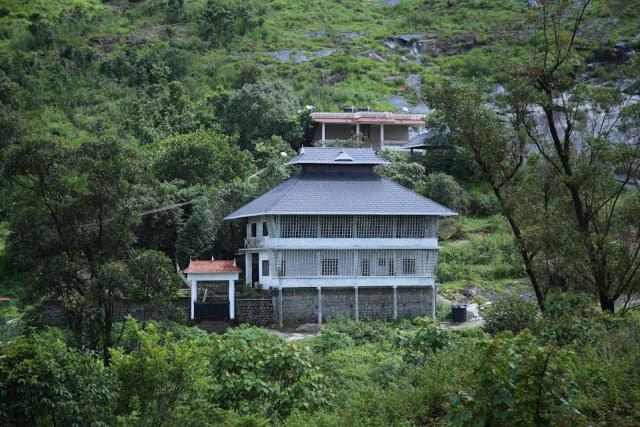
232, 300
280, 306
395, 302
194, 295
319, 305
355, 290
433, 302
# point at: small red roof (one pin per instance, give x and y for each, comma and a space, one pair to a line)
5, 299
218, 266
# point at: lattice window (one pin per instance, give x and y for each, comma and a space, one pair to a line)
329, 267
349, 263
298, 226
336, 226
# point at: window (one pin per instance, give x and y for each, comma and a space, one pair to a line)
265, 267
265, 229
329, 266
365, 266
282, 268
408, 266
382, 262
254, 229
392, 268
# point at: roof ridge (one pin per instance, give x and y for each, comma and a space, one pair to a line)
419, 195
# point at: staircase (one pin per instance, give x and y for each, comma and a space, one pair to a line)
213, 326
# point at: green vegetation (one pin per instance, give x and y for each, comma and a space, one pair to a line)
408, 372
129, 129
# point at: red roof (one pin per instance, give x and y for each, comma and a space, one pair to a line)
218, 266
5, 299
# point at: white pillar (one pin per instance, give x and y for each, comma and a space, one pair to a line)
194, 295
356, 302
433, 302
232, 300
319, 305
280, 306
323, 131
357, 129
395, 302
248, 268
382, 136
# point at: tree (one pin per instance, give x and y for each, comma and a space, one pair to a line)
72, 227
259, 111
402, 170
203, 157
574, 222
223, 20
444, 189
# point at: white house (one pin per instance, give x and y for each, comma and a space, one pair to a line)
339, 225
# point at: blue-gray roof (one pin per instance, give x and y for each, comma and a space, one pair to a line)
427, 139
336, 156
340, 194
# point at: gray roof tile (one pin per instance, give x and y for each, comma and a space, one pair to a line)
340, 194
327, 156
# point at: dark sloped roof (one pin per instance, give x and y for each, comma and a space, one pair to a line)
429, 139
340, 194
341, 156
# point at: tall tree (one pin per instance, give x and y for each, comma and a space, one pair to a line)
72, 223
582, 223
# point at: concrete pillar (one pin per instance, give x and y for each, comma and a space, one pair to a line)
382, 137
433, 302
232, 300
248, 269
356, 302
323, 131
395, 302
319, 305
357, 129
194, 295
280, 306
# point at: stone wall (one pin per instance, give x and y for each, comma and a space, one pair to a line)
298, 306
301, 305
255, 311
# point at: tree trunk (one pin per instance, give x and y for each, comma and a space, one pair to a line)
108, 339
607, 303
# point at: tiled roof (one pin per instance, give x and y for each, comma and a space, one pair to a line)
340, 194
342, 156
429, 138
209, 266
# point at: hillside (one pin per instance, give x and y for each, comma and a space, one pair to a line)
141, 71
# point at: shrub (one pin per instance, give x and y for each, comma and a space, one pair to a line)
162, 381
44, 382
253, 372
444, 189
426, 336
517, 383
510, 313
362, 332
332, 340
223, 20
570, 317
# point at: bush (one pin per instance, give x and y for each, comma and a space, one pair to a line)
362, 332
332, 340
570, 317
253, 372
44, 382
444, 189
223, 20
162, 380
510, 313
517, 383
426, 336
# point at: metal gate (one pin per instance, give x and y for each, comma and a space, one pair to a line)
211, 310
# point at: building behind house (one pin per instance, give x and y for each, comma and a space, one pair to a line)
378, 130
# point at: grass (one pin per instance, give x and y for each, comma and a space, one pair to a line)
478, 252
